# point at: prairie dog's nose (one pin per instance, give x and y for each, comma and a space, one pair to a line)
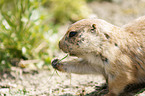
63, 46
60, 45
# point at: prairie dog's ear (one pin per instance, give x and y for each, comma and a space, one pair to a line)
94, 26
94, 29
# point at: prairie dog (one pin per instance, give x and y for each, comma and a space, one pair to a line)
118, 53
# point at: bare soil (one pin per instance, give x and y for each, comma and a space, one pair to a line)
48, 83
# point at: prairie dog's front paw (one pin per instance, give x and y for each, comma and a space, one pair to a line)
57, 65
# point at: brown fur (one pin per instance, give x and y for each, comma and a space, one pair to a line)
102, 48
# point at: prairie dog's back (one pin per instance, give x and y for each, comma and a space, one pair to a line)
136, 50
136, 28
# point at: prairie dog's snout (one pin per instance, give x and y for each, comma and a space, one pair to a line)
62, 46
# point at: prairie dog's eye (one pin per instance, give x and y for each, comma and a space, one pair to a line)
72, 33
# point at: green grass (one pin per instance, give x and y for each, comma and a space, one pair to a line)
22, 32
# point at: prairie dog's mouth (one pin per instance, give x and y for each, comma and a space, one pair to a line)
71, 54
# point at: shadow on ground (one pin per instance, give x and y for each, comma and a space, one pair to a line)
102, 90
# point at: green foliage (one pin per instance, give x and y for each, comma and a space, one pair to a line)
22, 31
73, 10
99, 0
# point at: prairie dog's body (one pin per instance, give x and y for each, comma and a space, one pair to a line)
116, 53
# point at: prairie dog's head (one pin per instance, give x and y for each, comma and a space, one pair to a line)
86, 36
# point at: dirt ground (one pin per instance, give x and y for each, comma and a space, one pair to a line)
49, 83
46, 83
